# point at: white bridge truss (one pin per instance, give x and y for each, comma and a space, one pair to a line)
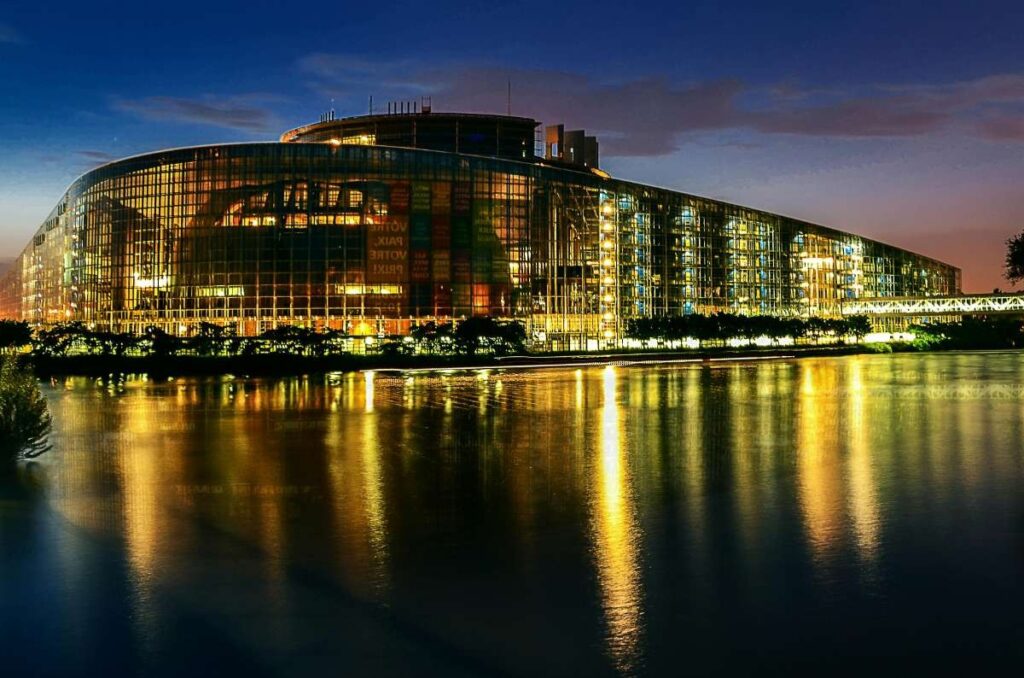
964, 304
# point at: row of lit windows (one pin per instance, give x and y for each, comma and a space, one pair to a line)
171, 196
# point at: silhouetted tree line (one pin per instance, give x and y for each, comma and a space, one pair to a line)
724, 326
469, 337
478, 335
971, 332
13, 335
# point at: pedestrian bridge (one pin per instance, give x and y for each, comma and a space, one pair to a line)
915, 307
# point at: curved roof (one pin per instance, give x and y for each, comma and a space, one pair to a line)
339, 124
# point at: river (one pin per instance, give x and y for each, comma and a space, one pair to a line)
843, 514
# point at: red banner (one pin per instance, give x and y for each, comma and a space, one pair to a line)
387, 251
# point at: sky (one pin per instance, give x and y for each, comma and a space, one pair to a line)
901, 121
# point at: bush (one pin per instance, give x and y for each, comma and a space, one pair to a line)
24, 420
723, 326
13, 335
499, 337
927, 341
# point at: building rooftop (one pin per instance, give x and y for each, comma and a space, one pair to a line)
502, 136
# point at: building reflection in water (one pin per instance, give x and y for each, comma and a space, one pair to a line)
863, 502
373, 490
140, 478
838, 489
355, 470
616, 535
820, 473
524, 487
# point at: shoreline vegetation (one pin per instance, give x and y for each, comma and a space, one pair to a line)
74, 349
24, 419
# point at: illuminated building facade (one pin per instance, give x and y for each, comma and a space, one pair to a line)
372, 224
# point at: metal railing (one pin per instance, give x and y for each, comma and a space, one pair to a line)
964, 304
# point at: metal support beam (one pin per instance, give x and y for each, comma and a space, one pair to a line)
965, 304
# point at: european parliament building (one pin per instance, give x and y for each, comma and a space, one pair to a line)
372, 224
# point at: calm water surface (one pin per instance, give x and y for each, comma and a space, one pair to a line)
839, 514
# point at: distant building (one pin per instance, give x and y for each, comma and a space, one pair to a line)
375, 223
573, 147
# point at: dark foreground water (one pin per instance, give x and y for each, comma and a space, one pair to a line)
830, 515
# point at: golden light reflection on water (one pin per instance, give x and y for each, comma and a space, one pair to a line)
141, 476
368, 393
373, 491
820, 475
358, 499
616, 535
369, 477
838, 488
864, 509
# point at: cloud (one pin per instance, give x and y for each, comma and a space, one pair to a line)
652, 116
638, 117
859, 117
344, 70
247, 114
1003, 128
97, 156
10, 36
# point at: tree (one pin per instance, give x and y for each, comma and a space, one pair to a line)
116, 344
817, 327
331, 342
292, 340
14, 334
61, 339
24, 420
433, 337
1015, 259
209, 339
469, 332
501, 337
513, 337
858, 326
161, 343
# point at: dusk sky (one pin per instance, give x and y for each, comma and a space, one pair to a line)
900, 120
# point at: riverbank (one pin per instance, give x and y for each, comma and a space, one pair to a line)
476, 343
289, 365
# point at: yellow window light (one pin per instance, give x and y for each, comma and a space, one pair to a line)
360, 139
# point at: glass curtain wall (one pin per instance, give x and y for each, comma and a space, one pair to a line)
371, 240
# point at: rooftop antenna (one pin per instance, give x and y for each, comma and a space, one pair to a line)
371, 104
508, 99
